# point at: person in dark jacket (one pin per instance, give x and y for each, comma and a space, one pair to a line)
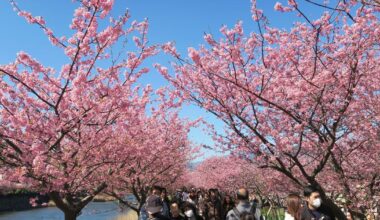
175, 212
228, 204
314, 208
155, 190
154, 208
190, 211
214, 206
165, 202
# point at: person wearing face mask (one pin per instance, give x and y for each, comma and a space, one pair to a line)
190, 212
155, 190
314, 209
154, 207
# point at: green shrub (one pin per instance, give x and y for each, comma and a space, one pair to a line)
274, 214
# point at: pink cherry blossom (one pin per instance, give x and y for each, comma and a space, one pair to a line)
302, 102
72, 133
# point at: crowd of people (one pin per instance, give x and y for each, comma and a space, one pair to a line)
200, 204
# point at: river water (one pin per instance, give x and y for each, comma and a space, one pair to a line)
93, 211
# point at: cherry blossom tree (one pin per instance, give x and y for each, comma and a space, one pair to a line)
231, 173
302, 102
158, 153
58, 127
224, 173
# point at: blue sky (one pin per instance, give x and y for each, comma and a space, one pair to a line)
183, 22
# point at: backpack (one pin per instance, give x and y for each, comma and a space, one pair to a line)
252, 211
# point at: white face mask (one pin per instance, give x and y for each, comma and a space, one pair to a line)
189, 213
317, 203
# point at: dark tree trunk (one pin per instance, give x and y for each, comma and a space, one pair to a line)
67, 209
335, 209
72, 206
357, 215
70, 215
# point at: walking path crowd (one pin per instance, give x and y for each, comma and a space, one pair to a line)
199, 204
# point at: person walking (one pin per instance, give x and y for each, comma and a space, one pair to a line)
155, 190
293, 207
175, 212
165, 202
314, 208
214, 206
190, 212
193, 197
228, 204
243, 207
154, 208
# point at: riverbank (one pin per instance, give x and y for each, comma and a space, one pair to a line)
21, 201
93, 211
103, 198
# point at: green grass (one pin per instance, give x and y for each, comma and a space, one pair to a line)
274, 214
